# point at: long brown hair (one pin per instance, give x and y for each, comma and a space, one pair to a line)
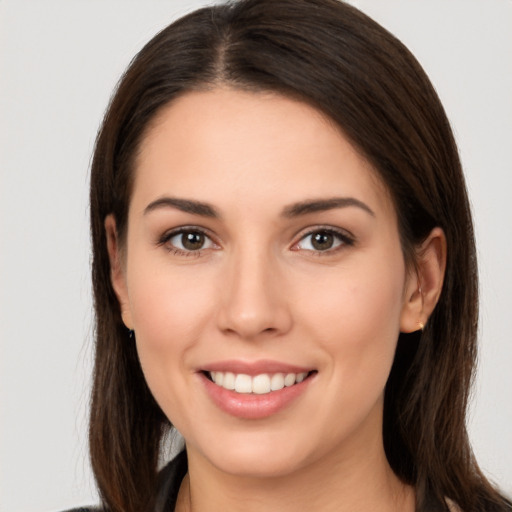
335, 58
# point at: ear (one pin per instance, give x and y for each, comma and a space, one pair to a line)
117, 274
424, 284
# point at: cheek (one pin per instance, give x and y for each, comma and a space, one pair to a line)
169, 311
356, 318
356, 324
167, 305
355, 301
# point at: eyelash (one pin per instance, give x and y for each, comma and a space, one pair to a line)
168, 236
345, 239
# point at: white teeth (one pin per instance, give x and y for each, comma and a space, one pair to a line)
289, 380
277, 382
301, 377
259, 384
218, 378
229, 381
243, 383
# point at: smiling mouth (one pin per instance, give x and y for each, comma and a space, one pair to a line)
257, 384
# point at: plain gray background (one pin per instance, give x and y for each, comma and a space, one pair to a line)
59, 61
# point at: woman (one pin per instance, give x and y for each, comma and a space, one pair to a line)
284, 269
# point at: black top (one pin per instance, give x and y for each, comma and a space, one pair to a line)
171, 476
169, 481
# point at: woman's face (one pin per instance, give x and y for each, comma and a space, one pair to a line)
263, 248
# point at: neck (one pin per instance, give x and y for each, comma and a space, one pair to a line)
333, 483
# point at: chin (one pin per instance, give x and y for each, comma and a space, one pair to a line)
258, 465
261, 456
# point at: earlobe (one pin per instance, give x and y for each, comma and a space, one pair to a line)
117, 275
424, 286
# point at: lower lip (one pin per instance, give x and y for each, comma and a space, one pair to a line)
250, 405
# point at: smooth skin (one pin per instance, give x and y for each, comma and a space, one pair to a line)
248, 273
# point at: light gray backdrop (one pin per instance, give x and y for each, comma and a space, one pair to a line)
59, 61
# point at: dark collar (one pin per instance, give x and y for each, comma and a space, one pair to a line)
169, 481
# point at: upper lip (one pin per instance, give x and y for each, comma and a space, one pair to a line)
254, 367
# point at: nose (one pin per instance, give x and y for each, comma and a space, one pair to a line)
253, 302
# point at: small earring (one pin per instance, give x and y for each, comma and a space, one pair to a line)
421, 326
131, 334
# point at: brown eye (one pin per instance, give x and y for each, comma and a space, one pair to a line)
188, 241
192, 240
324, 240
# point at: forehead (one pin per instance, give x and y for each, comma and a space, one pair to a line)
254, 147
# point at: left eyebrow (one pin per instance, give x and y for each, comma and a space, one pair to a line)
322, 205
184, 205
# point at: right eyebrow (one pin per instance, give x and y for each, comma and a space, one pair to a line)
321, 205
184, 205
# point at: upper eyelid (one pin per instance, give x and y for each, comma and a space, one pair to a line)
301, 234
315, 229
345, 238
166, 235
